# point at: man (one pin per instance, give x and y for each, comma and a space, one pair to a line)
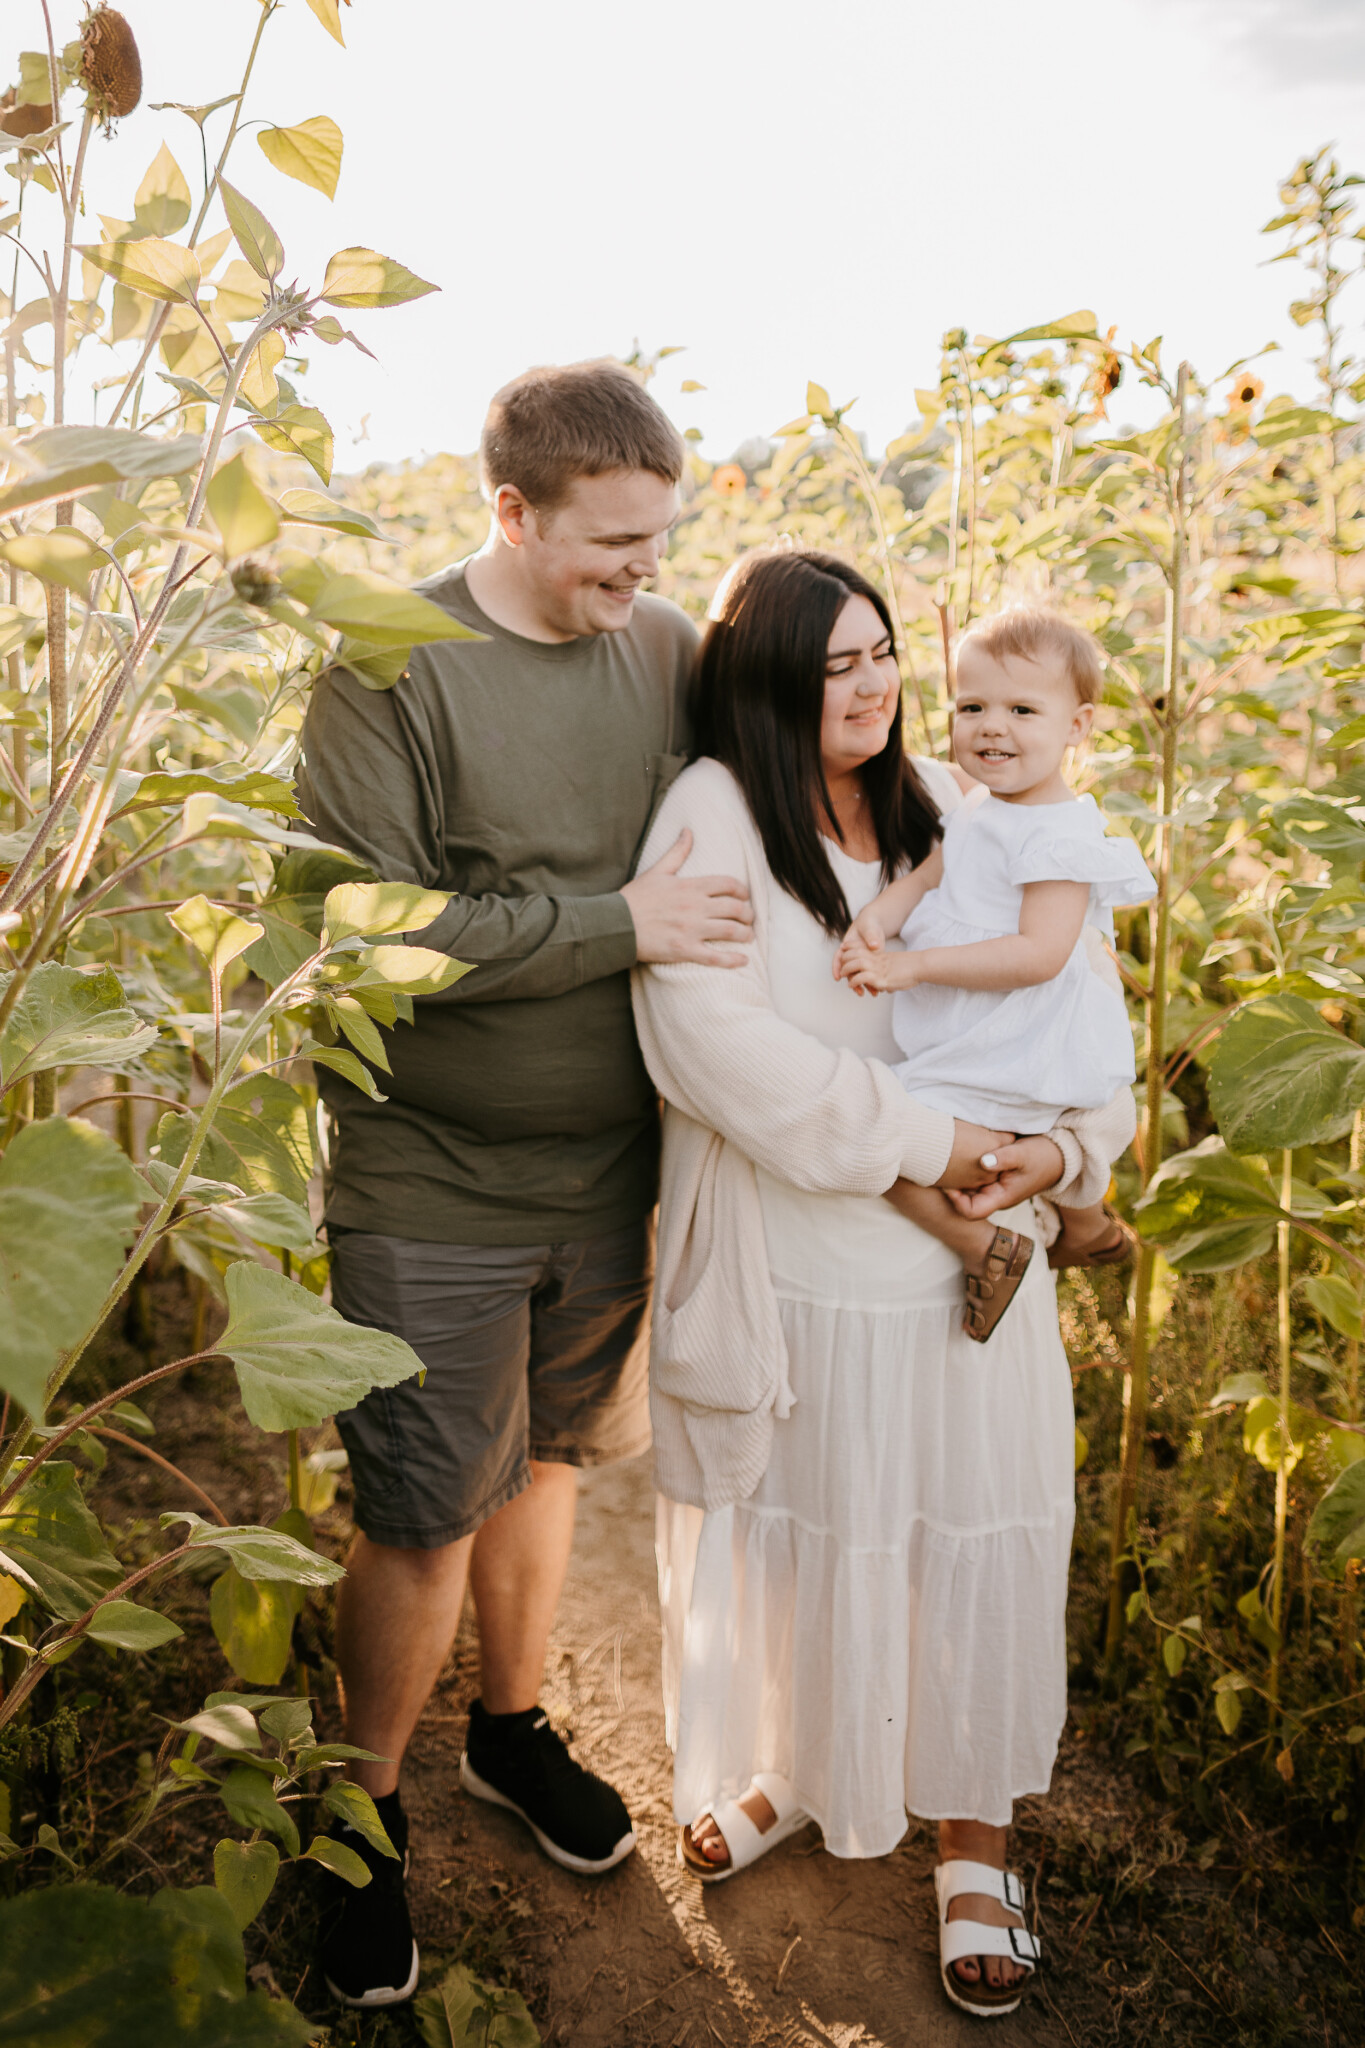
495, 1210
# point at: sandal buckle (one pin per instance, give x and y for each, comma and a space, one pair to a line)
1014, 1891
1022, 1944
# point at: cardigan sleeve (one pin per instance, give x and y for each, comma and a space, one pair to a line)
1090, 1140
821, 1118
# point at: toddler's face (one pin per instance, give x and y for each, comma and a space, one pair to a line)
1013, 720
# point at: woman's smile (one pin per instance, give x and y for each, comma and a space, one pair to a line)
862, 688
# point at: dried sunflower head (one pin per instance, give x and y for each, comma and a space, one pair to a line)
111, 69
25, 120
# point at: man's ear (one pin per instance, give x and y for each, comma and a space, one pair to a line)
512, 513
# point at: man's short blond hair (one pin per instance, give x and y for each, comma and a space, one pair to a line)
1032, 633
551, 425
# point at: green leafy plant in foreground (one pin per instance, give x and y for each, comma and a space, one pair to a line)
87, 1963
158, 639
255, 1753
463, 2012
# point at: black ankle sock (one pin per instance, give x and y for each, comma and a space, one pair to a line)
503, 1726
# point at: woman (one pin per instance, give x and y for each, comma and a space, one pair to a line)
865, 1519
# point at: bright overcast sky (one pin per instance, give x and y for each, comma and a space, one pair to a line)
788, 190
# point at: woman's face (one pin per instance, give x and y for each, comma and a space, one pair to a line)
862, 689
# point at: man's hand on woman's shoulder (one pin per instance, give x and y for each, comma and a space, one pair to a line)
693, 917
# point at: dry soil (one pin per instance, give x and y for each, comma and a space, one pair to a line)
803, 1948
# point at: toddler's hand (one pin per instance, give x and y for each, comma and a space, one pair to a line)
871, 973
863, 936
878, 973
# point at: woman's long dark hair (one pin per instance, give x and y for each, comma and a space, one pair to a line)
758, 701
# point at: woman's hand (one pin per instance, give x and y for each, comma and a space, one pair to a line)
964, 1168
1024, 1167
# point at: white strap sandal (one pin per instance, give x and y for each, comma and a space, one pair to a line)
958, 1939
745, 1841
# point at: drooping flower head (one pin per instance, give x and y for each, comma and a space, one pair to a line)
111, 69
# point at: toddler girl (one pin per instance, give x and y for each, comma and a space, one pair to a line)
1001, 1017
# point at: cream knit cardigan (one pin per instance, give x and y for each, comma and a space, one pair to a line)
743, 1088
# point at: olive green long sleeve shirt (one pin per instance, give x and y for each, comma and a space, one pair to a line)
521, 777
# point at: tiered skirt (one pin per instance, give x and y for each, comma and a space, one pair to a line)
883, 1622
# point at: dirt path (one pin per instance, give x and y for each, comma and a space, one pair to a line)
1159, 1931
805, 1949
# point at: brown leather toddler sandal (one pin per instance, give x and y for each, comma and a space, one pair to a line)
1116, 1250
989, 1294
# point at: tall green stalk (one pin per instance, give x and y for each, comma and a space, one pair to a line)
1357, 1160
967, 429
192, 239
1282, 1231
1348, 1601
14, 662
867, 483
1136, 1385
82, 850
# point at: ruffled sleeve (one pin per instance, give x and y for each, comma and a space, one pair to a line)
1070, 844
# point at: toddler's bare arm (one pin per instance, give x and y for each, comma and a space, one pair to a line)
886, 913
1049, 925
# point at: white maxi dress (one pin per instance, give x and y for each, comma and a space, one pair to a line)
882, 1622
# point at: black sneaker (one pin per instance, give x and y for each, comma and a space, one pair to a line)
518, 1761
367, 1952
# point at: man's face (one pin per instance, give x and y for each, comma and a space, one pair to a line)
584, 561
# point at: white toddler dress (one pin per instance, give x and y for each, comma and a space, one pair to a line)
1016, 1058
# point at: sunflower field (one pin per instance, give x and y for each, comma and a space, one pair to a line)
178, 954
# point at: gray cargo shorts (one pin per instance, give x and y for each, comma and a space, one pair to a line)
531, 1352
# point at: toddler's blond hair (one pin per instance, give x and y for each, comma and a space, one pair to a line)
1031, 632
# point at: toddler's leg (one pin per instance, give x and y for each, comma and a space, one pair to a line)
1093, 1235
970, 1237
1085, 1228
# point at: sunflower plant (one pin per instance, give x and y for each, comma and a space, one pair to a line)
177, 951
